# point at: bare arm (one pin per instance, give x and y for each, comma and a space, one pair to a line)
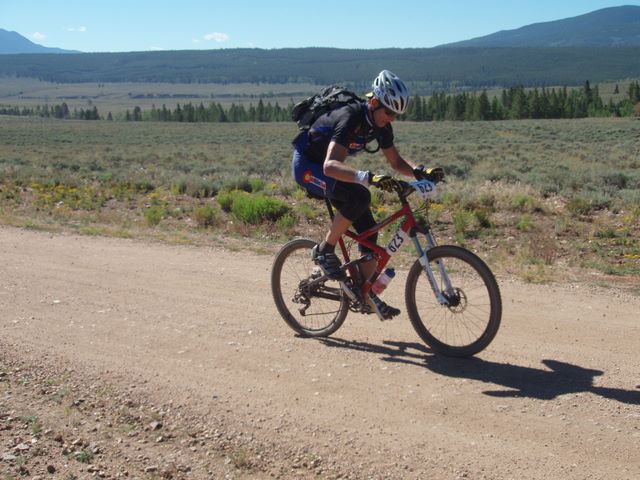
398, 163
334, 165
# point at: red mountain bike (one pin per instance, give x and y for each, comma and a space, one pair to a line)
452, 297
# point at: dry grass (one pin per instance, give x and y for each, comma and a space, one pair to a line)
533, 197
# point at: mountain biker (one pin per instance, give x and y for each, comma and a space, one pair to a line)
319, 166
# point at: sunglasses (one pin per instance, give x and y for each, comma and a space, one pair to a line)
390, 113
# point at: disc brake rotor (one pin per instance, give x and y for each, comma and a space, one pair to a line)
457, 300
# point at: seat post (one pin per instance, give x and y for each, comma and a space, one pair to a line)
329, 207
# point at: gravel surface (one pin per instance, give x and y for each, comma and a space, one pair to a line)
128, 359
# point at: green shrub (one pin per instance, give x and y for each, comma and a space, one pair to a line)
487, 200
205, 216
298, 194
473, 197
153, 215
254, 209
237, 183
617, 180
195, 187
483, 217
307, 210
449, 199
84, 456
597, 200
286, 221
524, 223
462, 222
179, 186
522, 202
256, 184
144, 186
225, 200
606, 232
10, 193
578, 206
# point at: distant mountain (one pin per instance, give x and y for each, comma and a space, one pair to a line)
609, 27
12, 43
600, 46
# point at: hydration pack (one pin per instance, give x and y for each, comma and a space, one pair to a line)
308, 110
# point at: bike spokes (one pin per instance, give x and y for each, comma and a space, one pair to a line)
310, 303
470, 316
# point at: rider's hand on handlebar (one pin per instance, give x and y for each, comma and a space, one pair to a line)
435, 174
385, 182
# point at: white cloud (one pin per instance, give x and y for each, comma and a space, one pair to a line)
216, 37
77, 29
38, 36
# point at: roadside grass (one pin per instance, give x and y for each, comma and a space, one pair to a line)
532, 197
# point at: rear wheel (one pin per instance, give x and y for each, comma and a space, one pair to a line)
312, 309
470, 321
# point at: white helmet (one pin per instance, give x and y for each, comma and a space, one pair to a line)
391, 91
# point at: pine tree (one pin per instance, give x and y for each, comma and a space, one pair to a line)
177, 114
519, 106
261, 116
497, 111
534, 103
588, 92
484, 107
634, 92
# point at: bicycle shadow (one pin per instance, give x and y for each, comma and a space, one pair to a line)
561, 378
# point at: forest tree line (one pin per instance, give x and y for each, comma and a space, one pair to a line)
514, 103
425, 70
518, 103
60, 111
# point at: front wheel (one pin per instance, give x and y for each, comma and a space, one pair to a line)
311, 308
470, 320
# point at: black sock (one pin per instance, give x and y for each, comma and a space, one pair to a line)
326, 248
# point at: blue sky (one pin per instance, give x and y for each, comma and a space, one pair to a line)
143, 25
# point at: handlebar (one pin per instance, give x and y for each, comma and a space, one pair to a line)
425, 188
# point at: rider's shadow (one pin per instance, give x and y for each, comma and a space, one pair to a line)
561, 378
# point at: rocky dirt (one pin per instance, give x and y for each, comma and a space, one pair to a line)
129, 359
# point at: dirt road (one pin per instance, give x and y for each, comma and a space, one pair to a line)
159, 361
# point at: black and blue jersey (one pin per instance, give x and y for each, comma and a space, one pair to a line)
348, 126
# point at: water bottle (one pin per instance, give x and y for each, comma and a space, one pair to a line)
383, 280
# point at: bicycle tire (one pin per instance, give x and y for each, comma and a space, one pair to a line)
463, 329
308, 315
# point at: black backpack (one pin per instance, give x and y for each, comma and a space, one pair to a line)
307, 111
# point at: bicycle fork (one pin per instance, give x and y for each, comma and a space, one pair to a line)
426, 267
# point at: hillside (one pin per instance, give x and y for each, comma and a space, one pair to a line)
13, 43
424, 69
609, 27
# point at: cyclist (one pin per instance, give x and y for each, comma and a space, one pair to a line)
319, 166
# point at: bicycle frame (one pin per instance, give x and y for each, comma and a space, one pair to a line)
408, 230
